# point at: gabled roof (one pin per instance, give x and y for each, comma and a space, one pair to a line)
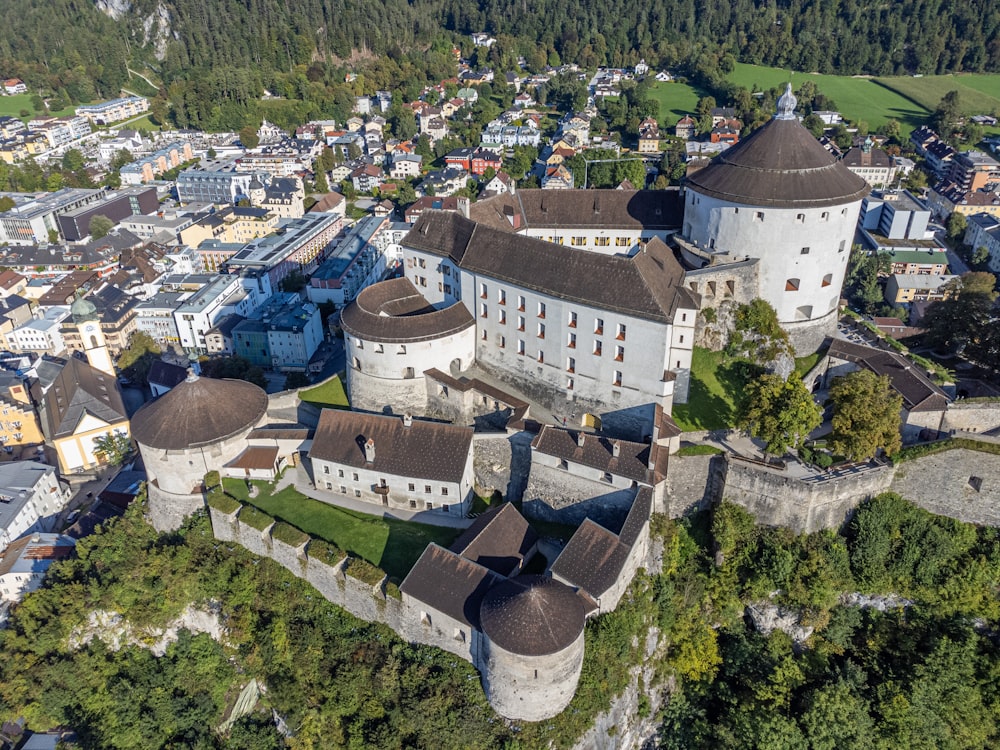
597, 452
166, 374
907, 379
499, 540
78, 390
434, 451
594, 557
646, 285
449, 583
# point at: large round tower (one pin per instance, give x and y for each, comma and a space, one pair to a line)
532, 646
197, 426
780, 197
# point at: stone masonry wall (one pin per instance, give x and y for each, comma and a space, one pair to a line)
972, 416
555, 495
691, 483
959, 483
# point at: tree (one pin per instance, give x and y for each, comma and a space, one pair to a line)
53, 236
137, 358
248, 137
956, 226
113, 447
73, 160
211, 153
981, 255
866, 415
99, 226
319, 181
293, 282
861, 287
965, 317
945, 118
296, 380
6, 203
780, 412
233, 367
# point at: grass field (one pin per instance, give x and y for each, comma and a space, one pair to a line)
710, 403
977, 93
856, 98
12, 106
330, 395
393, 546
676, 100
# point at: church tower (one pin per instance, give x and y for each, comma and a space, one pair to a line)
87, 321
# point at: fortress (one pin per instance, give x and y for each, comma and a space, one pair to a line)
581, 302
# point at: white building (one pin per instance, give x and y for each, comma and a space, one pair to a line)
42, 334
357, 261
198, 314
395, 462
779, 197
24, 564
30, 499
115, 110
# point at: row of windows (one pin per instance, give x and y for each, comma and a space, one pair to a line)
411, 486
413, 503
792, 285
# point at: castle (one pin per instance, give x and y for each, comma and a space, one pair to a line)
582, 302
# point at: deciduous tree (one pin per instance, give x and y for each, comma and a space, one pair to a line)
780, 412
866, 415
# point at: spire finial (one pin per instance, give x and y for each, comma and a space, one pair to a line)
786, 105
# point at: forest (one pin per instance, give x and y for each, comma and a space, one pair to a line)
912, 665
214, 59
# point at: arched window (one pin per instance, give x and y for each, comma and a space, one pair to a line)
792, 285
827, 280
93, 342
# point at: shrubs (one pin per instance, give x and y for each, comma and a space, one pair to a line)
364, 571
254, 518
699, 450
288, 534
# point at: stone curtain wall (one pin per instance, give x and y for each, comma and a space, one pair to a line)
692, 483
777, 499
972, 416
363, 600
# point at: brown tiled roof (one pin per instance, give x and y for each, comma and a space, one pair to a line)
280, 433
591, 209
78, 390
394, 311
781, 165
907, 379
855, 158
16, 551
166, 374
10, 279
199, 412
631, 463
449, 583
255, 457
327, 203
532, 615
518, 407
647, 285
499, 539
424, 450
594, 557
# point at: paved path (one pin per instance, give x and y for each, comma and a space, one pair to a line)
298, 477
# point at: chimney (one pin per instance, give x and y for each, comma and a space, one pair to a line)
580, 437
616, 449
370, 451
407, 420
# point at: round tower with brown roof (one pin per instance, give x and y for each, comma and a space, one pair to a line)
781, 198
197, 426
531, 650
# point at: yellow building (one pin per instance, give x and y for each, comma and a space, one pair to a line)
19, 425
233, 224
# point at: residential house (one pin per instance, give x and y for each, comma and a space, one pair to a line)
25, 562
649, 136
12, 86
919, 287
557, 178
366, 178
30, 499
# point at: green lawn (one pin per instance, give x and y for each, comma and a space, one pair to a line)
143, 123
804, 364
856, 98
710, 405
676, 100
330, 395
12, 106
393, 546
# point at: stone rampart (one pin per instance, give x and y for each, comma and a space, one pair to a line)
692, 483
777, 498
559, 496
972, 415
959, 483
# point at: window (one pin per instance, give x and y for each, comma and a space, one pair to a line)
343, 490
570, 364
520, 322
617, 378
680, 339
541, 330
429, 505
482, 310
501, 341
825, 216
502, 296
447, 288
623, 242
578, 241
402, 349
482, 291
572, 319
413, 504
804, 251
326, 469
602, 241
520, 303
520, 346
597, 348
569, 384
503, 317
411, 487
422, 262
541, 358
563, 463
340, 473
621, 332
792, 285
843, 244
355, 476
360, 343
541, 309
357, 493
599, 326
444, 491
607, 476
619, 353
446, 270
800, 218
571, 341
427, 489
758, 216
827, 280
482, 334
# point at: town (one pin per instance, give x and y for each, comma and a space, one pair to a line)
533, 330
